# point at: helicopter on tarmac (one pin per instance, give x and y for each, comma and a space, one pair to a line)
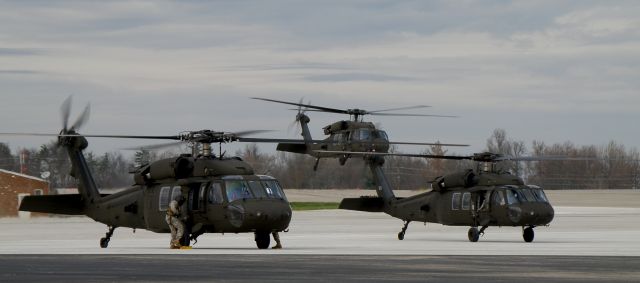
482, 197
354, 135
223, 195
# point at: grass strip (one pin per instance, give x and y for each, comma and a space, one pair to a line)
313, 205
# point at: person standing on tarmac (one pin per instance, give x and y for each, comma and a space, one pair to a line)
175, 224
276, 237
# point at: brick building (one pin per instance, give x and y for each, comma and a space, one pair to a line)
13, 187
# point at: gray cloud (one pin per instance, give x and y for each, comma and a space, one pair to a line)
19, 51
346, 77
160, 67
19, 72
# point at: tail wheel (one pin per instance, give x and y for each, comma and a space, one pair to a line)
104, 243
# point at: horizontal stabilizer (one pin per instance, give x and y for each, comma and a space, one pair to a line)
58, 204
368, 204
292, 147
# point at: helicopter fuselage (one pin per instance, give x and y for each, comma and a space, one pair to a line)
466, 198
502, 205
228, 204
220, 195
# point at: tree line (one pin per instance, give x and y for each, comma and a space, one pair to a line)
610, 166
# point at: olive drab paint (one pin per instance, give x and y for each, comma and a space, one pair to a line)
223, 195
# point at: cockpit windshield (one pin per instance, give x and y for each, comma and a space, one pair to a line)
237, 189
539, 194
273, 189
523, 195
381, 135
361, 135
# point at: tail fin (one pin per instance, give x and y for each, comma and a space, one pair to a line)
80, 169
383, 189
304, 125
306, 135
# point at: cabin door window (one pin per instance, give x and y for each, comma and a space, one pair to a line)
163, 200
455, 201
194, 198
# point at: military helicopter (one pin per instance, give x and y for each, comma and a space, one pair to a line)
482, 197
223, 195
354, 135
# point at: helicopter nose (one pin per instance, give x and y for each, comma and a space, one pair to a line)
535, 215
268, 215
236, 214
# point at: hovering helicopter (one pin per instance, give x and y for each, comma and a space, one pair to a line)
354, 135
223, 195
482, 197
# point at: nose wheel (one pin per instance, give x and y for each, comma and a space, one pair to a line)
473, 234
528, 234
104, 242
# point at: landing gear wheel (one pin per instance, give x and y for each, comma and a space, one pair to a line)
473, 234
104, 243
404, 230
263, 240
528, 234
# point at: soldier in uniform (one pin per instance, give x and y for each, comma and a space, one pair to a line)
175, 224
276, 237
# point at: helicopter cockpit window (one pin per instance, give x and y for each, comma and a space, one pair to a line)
273, 189
215, 194
528, 194
498, 198
466, 201
540, 195
361, 134
237, 189
518, 195
257, 189
511, 196
381, 135
455, 201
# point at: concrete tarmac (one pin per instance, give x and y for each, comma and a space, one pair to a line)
581, 244
315, 268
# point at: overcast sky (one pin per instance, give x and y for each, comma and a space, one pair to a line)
546, 70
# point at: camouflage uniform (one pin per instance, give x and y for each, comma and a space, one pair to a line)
175, 225
276, 237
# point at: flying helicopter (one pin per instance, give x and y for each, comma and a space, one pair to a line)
354, 135
223, 195
480, 197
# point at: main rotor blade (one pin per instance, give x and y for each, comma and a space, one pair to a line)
400, 108
155, 146
65, 110
266, 140
82, 119
318, 108
30, 134
426, 143
394, 154
132, 137
544, 158
412, 115
250, 132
